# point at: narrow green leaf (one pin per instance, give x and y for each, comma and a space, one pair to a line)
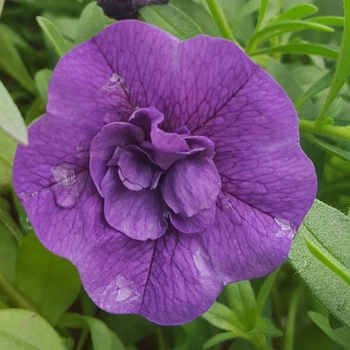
54, 35
317, 87
42, 79
320, 255
7, 154
247, 9
10, 117
334, 149
300, 49
343, 65
265, 326
10, 236
262, 13
91, 22
329, 20
102, 337
222, 317
170, 19
219, 338
25, 330
265, 291
297, 12
50, 282
242, 302
282, 27
11, 62
341, 335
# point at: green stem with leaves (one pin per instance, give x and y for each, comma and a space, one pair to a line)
219, 19
324, 129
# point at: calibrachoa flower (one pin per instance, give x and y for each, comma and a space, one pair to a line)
164, 170
124, 9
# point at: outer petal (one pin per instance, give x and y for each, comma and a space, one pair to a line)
138, 214
182, 283
144, 57
245, 243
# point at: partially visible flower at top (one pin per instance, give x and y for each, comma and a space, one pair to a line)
164, 170
125, 9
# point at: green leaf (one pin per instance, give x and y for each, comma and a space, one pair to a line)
265, 291
341, 335
262, 12
343, 65
91, 22
102, 337
329, 20
331, 148
54, 35
25, 330
219, 338
317, 87
300, 49
242, 302
265, 326
320, 255
297, 12
247, 9
50, 282
222, 317
42, 79
7, 154
10, 117
170, 19
11, 62
282, 27
10, 236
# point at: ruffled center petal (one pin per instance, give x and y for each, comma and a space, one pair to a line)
148, 176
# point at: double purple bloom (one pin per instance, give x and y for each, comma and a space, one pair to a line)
164, 170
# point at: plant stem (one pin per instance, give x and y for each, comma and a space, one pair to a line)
219, 19
14, 295
311, 127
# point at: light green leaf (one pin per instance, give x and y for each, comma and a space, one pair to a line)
222, 317
91, 22
329, 20
170, 19
25, 330
317, 87
50, 282
341, 335
219, 338
250, 7
265, 291
10, 117
320, 254
297, 12
242, 302
300, 49
102, 337
265, 326
7, 154
54, 35
42, 79
11, 62
282, 27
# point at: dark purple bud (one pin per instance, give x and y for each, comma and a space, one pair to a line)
125, 9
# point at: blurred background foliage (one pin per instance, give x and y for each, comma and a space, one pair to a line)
27, 58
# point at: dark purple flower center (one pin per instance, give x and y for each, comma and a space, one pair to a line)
173, 172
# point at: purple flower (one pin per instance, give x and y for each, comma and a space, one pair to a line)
124, 9
164, 170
